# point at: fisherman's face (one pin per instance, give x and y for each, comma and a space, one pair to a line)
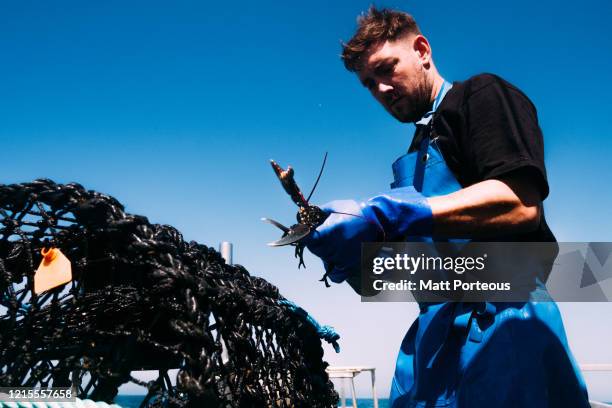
394, 72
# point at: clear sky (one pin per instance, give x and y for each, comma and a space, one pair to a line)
176, 107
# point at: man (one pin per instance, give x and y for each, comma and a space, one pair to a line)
487, 182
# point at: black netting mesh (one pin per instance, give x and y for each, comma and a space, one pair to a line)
141, 298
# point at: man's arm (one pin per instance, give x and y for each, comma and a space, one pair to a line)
493, 207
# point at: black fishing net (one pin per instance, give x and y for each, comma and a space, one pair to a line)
142, 298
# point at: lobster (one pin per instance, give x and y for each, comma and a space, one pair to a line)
309, 217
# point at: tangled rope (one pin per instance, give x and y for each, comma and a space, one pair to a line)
143, 298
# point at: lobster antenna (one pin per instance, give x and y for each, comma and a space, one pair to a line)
318, 178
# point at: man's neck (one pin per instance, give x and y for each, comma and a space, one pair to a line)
437, 85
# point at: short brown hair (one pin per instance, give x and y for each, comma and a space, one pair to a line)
375, 27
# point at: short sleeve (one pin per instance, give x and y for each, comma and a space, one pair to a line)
502, 133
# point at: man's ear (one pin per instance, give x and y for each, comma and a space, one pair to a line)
422, 49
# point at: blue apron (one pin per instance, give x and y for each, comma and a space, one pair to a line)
478, 355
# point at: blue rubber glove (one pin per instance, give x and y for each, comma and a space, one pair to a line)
391, 216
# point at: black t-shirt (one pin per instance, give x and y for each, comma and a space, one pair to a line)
486, 128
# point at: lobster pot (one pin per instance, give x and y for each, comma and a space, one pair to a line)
141, 298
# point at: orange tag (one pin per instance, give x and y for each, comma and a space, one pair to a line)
54, 270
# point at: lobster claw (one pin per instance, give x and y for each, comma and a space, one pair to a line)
293, 235
276, 224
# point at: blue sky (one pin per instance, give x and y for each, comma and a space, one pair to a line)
176, 107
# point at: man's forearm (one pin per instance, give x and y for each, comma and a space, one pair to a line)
485, 209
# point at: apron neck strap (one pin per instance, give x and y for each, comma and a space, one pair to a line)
446, 86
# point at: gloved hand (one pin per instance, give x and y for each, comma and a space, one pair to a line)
390, 216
